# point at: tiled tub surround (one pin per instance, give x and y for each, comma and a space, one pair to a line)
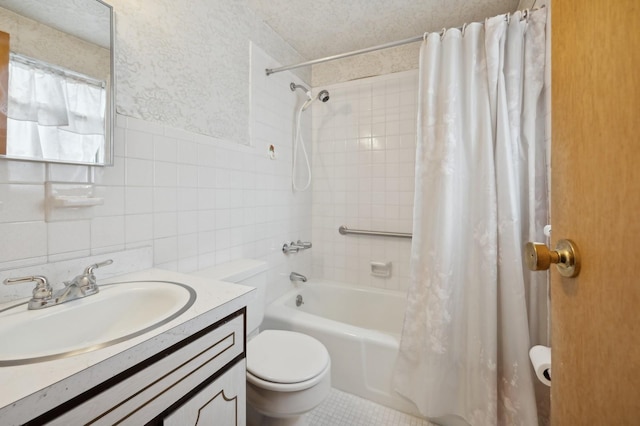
363, 177
32, 389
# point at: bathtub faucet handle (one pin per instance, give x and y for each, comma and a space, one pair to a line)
290, 248
304, 244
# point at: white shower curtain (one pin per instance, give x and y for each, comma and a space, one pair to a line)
472, 311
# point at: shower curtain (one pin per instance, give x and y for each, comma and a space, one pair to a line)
472, 311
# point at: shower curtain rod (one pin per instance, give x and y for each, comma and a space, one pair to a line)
270, 71
415, 39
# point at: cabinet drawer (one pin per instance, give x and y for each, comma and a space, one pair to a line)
148, 392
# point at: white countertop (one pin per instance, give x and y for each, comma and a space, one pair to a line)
26, 391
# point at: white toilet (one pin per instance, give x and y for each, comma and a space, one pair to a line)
288, 373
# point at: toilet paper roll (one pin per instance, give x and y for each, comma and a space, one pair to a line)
541, 361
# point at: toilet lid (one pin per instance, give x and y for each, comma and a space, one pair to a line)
285, 356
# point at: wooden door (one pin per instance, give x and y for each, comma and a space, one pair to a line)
595, 196
4, 89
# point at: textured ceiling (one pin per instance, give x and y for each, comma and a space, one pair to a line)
318, 28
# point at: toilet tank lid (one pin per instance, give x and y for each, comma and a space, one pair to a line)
234, 271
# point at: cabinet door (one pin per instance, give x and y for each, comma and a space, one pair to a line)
222, 403
147, 393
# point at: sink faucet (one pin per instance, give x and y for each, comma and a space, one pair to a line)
294, 276
82, 285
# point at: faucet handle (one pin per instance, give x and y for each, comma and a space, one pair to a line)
42, 291
87, 281
304, 244
89, 269
290, 248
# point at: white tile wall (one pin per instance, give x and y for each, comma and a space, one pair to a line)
364, 152
195, 200
273, 106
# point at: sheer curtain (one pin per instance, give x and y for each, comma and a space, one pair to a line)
472, 311
53, 115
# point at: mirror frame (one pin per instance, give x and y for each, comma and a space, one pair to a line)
110, 111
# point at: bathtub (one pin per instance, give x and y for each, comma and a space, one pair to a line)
360, 326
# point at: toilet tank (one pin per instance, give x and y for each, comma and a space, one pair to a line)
249, 272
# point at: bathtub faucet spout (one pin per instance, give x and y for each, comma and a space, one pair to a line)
294, 276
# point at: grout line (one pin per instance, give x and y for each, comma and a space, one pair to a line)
344, 409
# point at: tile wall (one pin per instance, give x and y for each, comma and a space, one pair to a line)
363, 177
195, 200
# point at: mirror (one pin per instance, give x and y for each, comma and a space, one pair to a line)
58, 102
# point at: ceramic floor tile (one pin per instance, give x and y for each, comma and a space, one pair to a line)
343, 409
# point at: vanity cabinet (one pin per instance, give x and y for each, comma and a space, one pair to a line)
222, 403
199, 380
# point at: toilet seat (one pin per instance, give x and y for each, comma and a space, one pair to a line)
286, 360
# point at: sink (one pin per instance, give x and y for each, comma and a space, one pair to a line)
117, 313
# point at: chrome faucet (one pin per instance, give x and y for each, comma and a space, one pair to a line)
303, 245
292, 247
82, 285
294, 276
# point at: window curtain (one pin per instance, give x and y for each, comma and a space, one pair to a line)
52, 115
472, 311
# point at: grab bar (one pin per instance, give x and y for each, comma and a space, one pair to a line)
343, 230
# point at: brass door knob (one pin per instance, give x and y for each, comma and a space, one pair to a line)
539, 258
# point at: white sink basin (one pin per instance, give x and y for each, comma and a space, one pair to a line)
117, 313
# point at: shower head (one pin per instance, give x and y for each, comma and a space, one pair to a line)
323, 95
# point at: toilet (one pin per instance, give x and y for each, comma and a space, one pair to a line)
288, 373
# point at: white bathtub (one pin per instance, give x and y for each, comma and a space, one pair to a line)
360, 326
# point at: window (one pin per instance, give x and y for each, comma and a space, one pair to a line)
53, 113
